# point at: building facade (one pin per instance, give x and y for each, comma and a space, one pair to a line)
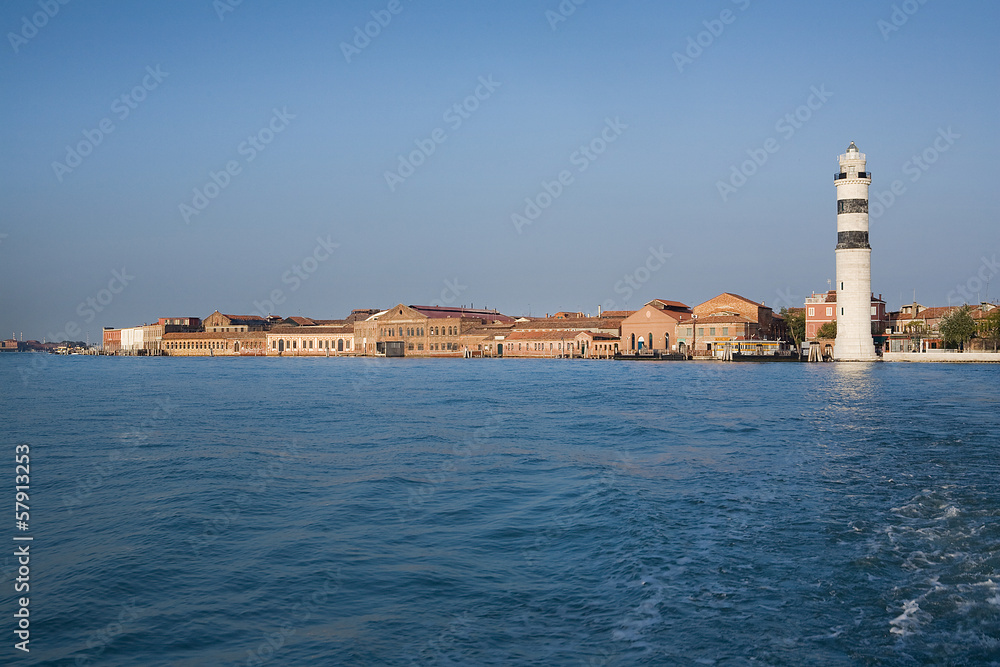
214, 344
220, 323
653, 327
822, 309
311, 341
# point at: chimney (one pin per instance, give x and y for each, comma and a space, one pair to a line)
598, 311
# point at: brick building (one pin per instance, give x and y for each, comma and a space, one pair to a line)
822, 308
654, 326
217, 322
316, 340
728, 318
423, 331
214, 344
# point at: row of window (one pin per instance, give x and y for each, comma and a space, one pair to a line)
293, 344
829, 311
196, 345
553, 347
205, 345
417, 331
711, 331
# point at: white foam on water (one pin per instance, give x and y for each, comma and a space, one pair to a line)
907, 622
647, 614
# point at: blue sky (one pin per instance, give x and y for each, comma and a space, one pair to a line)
312, 220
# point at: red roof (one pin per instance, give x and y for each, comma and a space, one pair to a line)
669, 305
435, 312
245, 318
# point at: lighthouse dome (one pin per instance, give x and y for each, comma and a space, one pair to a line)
852, 148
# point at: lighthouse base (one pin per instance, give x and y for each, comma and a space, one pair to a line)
854, 350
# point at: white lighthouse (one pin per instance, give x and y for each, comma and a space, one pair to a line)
854, 261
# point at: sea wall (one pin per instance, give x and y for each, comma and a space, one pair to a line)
952, 356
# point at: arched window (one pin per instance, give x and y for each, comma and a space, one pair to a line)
340, 345
633, 342
650, 339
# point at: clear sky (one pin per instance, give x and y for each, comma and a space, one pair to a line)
117, 228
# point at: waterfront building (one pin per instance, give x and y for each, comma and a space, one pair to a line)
654, 326
854, 269
423, 331
217, 322
822, 308
214, 343
316, 340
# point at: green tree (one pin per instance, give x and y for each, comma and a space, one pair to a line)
989, 327
958, 327
796, 321
828, 330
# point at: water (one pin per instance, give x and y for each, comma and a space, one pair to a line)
505, 512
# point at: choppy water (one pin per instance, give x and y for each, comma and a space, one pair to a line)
505, 512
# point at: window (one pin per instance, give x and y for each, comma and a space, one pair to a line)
701, 331
410, 346
841, 286
829, 311
874, 311
420, 346
725, 331
295, 344
841, 311
310, 345
812, 312
711, 331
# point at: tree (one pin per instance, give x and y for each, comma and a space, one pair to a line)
796, 320
828, 330
989, 327
958, 327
